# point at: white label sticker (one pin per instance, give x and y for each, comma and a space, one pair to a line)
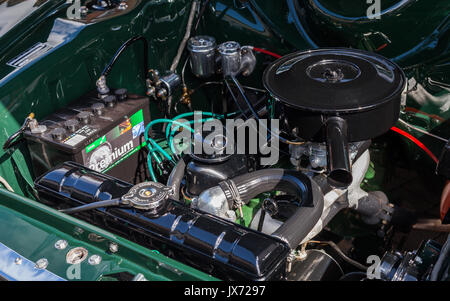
75, 140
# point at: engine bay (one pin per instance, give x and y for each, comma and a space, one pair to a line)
243, 163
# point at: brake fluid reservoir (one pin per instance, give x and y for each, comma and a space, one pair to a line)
230, 55
202, 55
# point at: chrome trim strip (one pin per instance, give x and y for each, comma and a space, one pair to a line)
29, 55
26, 270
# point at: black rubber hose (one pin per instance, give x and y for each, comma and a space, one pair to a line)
295, 229
90, 206
175, 178
122, 49
300, 224
252, 184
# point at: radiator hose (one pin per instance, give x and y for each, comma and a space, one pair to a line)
245, 187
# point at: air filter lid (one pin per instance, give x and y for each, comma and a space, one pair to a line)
334, 80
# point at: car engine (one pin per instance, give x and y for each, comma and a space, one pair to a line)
243, 163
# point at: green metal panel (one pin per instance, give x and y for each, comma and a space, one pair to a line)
32, 229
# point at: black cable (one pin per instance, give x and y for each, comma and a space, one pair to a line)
11, 138
94, 205
341, 253
200, 15
235, 99
122, 48
221, 83
252, 109
261, 220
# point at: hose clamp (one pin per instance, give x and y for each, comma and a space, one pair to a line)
231, 193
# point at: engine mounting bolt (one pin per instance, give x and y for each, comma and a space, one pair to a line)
95, 259
61, 244
41, 264
113, 247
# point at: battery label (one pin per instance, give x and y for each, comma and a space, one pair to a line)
117, 144
81, 134
75, 139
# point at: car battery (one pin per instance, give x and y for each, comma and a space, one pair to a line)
103, 134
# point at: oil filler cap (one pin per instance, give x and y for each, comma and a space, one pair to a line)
147, 196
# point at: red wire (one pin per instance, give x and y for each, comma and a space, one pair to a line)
381, 47
417, 142
267, 52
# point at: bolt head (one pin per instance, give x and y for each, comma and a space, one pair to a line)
161, 93
113, 247
41, 264
61, 244
95, 259
18, 260
78, 231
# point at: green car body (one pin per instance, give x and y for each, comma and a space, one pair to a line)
76, 51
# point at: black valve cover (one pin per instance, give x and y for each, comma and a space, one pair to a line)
216, 246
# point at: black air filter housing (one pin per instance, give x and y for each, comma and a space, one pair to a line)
361, 87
